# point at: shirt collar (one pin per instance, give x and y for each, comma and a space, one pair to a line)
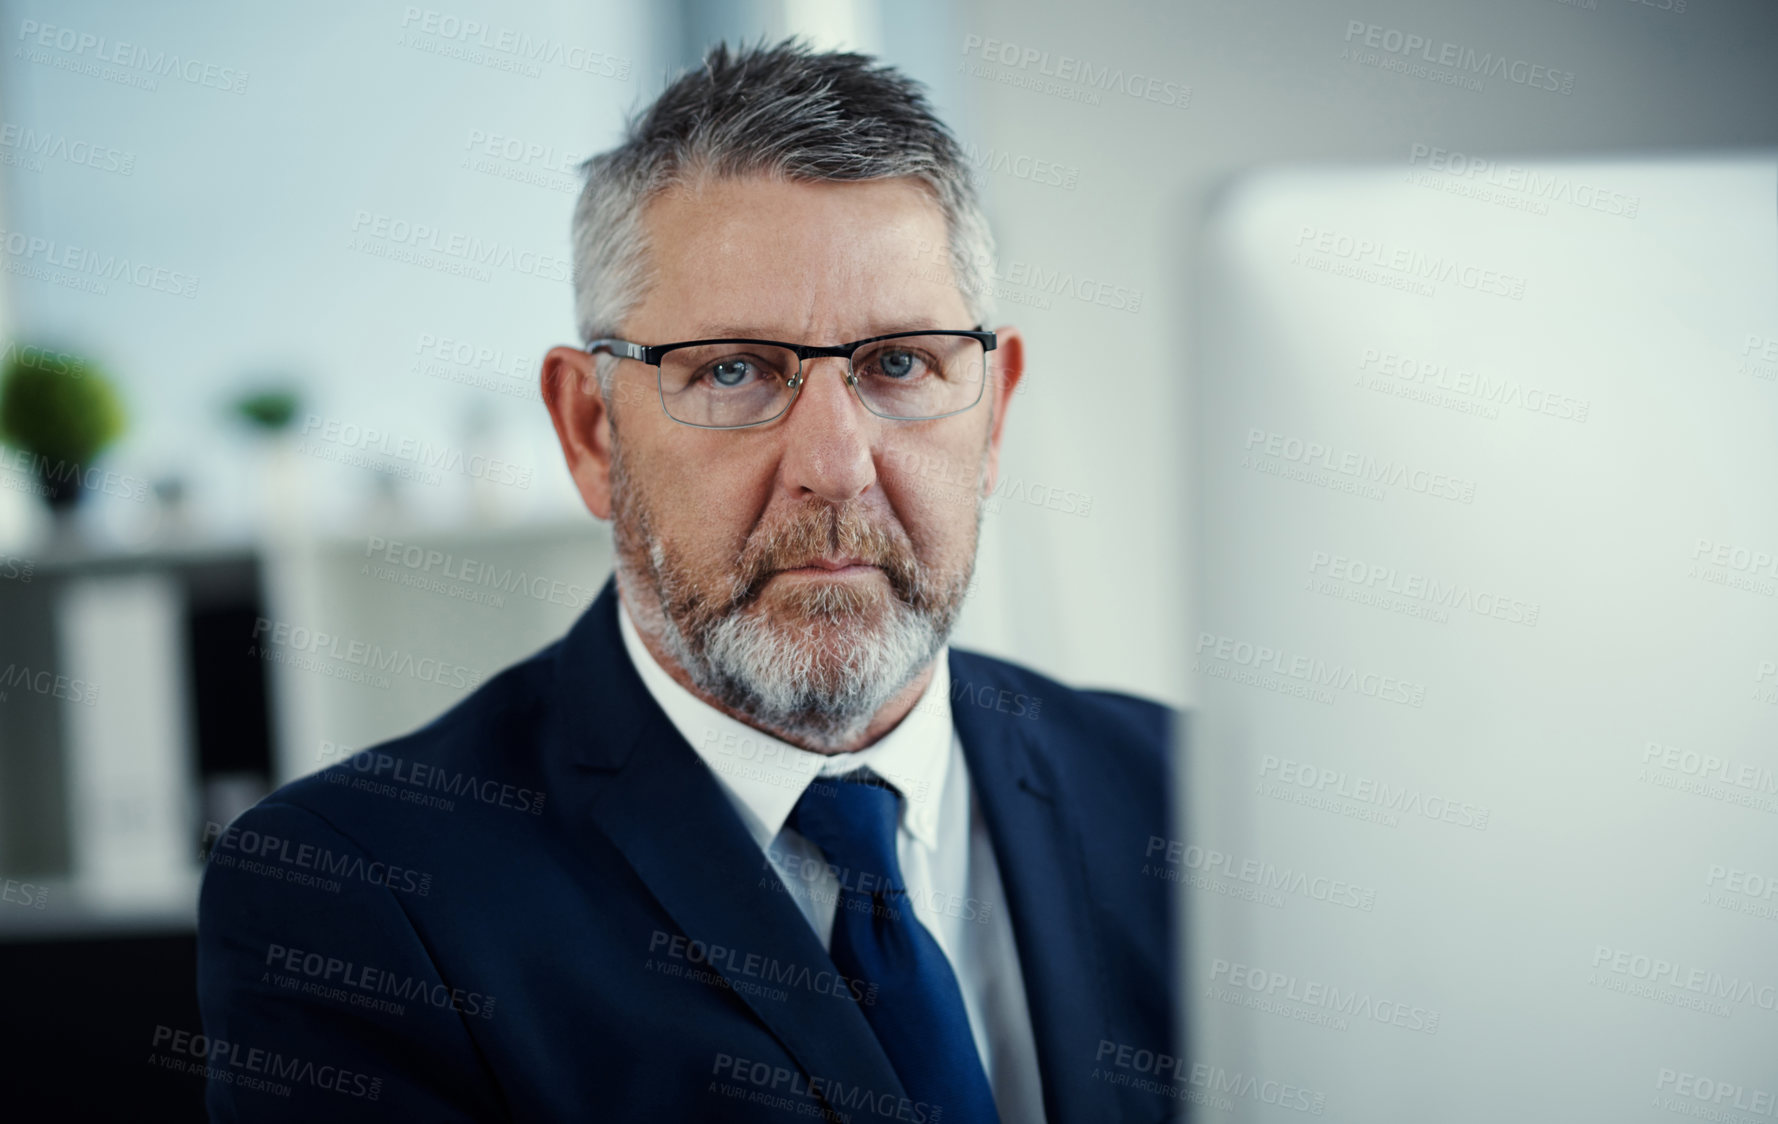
764, 776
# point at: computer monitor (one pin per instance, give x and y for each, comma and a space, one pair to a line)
1481, 805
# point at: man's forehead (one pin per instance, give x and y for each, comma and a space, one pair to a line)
766, 258
824, 224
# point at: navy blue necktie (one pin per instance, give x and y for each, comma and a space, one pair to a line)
919, 1017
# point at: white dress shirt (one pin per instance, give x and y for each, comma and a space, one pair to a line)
947, 858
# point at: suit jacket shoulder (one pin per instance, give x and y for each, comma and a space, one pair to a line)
488, 749
1122, 739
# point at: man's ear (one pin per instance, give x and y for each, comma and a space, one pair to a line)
570, 384
1006, 367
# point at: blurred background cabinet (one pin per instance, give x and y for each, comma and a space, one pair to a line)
145, 696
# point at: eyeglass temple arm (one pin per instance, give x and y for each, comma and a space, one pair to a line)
624, 349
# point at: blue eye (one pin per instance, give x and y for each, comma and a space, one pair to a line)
730, 372
896, 364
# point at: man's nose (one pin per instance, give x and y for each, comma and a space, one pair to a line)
827, 436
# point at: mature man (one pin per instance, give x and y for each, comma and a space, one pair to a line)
761, 844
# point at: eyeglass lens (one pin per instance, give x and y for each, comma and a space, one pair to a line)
908, 378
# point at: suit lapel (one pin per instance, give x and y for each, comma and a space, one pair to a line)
1037, 846
647, 791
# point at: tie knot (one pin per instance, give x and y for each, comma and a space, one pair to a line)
853, 820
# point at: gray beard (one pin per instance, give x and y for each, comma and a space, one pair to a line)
817, 680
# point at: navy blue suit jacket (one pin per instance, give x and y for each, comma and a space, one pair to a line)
542, 907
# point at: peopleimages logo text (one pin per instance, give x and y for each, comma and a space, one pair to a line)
1340, 676
132, 56
1715, 1096
482, 252
433, 563
1212, 862
43, 472
517, 45
1369, 790
328, 971
78, 260
1349, 1002
255, 852
1406, 44
1067, 68
1656, 970
297, 638
427, 457
30, 144
1410, 263
796, 1092
421, 775
1557, 186
261, 1070
48, 684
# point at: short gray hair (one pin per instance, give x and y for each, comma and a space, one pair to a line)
783, 110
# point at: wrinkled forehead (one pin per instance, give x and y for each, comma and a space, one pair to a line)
788, 257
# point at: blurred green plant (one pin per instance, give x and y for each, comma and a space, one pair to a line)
269, 410
58, 407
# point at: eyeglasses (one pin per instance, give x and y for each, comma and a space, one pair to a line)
735, 383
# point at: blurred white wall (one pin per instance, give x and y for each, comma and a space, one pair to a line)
322, 190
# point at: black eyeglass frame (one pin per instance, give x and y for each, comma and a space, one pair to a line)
652, 354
